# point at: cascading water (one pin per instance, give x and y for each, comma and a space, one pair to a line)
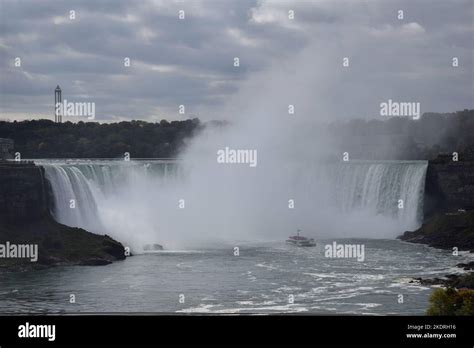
75, 196
91, 194
137, 202
391, 188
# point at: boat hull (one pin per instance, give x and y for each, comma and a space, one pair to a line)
301, 244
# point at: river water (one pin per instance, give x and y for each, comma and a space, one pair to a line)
139, 203
263, 278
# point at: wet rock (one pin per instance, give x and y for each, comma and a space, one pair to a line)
445, 231
459, 281
25, 203
449, 184
94, 262
466, 266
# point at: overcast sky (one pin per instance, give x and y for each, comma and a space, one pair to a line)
190, 61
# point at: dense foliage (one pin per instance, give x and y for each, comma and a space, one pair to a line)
451, 302
46, 139
395, 138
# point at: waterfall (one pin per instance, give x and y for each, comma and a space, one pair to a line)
389, 188
81, 189
75, 196
136, 202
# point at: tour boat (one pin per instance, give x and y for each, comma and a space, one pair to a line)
301, 241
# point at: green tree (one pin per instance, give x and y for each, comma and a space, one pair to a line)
451, 302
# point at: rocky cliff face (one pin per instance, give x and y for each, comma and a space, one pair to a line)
25, 218
449, 184
448, 204
445, 231
22, 193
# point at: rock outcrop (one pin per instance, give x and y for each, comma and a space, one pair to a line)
459, 281
449, 184
25, 196
23, 193
445, 231
448, 204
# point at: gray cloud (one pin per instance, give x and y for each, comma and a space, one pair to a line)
190, 61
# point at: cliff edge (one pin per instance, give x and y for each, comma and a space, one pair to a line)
25, 219
449, 184
448, 204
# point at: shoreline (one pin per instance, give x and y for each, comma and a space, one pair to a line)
448, 231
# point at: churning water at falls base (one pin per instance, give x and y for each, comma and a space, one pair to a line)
136, 203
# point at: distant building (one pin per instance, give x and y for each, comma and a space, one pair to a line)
58, 117
6, 145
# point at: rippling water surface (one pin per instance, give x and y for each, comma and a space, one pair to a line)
262, 279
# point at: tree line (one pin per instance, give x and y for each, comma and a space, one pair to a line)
47, 139
394, 138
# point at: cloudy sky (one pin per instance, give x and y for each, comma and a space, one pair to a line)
190, 61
